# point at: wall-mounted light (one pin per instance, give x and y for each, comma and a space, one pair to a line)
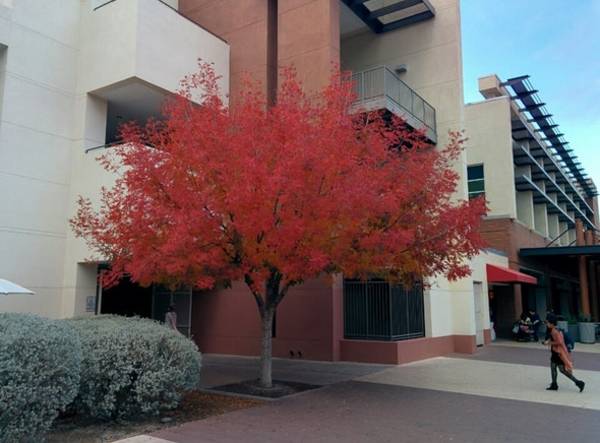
400, 69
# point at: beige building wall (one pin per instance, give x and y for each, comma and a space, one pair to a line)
488, 129
36, 131
432, 53
63, 64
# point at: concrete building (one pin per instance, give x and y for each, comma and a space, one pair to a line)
71, 70
543, 207
74, 69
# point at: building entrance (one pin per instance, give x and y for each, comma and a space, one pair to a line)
130, 299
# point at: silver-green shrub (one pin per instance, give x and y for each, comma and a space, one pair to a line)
132, 366
39, 374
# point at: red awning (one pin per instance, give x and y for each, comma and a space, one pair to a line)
500, 274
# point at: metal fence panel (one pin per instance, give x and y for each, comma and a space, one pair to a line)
375, 310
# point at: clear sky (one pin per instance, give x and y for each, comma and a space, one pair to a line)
556, 42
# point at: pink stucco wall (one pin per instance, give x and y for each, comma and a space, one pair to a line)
227, 321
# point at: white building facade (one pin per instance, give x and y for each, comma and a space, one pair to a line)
71, 72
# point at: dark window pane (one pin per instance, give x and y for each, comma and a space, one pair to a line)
475, 172
476, 186
475, 194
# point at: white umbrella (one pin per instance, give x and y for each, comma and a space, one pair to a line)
10, 288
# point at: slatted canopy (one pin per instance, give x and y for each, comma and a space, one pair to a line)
530, 103
387, 15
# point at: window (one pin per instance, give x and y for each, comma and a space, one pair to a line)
475, 181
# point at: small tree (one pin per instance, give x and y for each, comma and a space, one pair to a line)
276, 195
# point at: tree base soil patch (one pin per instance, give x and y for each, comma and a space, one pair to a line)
195, 405
252, 387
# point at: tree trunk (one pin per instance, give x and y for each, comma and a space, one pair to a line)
266, 349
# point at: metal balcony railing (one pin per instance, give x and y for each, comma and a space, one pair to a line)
381, 88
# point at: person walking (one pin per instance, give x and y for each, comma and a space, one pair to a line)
559, 359
171, 318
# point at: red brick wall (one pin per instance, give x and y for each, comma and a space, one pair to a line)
509, 236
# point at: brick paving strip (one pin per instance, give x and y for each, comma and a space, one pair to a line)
444, 399
360, 412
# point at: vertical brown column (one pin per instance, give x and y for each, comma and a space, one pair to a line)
518, 297
579, 234
337, 329
272, 43
597, 294
593, 290
309, 39
583, 274
244, 25
589, 237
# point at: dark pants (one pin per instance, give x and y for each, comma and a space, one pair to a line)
556, 364
536, 330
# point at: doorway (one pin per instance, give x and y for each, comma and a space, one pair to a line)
130, 299
478, 294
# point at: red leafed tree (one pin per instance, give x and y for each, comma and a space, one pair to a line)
274, 195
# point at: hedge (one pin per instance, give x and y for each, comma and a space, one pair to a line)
39, 374
132, 366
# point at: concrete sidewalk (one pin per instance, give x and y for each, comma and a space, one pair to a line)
534, 354
579, 347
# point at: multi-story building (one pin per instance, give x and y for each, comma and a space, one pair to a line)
74, 69
71, 71
543, 211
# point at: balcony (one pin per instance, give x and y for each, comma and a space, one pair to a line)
383, 16
146, 43
523, 157
381, 88
524, 183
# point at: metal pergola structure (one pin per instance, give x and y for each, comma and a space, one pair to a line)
522, 91
387, 15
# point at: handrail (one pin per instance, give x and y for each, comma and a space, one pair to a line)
104, 146
560, 235
391, 87
550, 155
553, 182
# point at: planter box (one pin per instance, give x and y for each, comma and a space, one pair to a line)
587, 332
574, 331
562, 325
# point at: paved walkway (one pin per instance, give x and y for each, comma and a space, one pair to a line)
218, 370
458, 398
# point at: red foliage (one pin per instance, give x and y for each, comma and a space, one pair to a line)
295, 190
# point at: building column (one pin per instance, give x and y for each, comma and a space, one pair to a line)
583, 274
337, 321
593, 289
597, 294
518, 300
589, 237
